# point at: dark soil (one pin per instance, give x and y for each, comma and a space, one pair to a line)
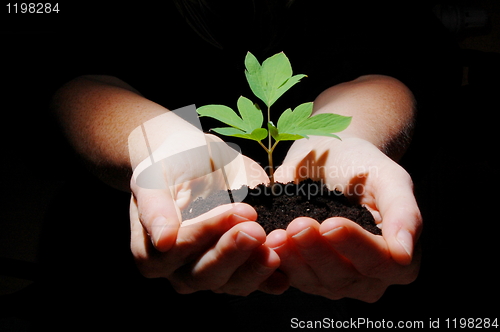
307, 199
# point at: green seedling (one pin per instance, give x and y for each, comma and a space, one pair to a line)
269, 82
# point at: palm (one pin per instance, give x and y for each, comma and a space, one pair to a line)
197, 170
320, 258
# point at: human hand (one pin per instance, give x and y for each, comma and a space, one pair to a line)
221, 250
338, 258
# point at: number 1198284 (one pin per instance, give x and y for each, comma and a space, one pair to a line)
33, 8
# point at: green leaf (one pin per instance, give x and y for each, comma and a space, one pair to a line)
250, 114
276, 70
247, 126
275, 133
254, 77
228, 131
257, 135
282, 136
222, 113
251, 63
286, 86
289, 120
299, 124
327, 122
271, 80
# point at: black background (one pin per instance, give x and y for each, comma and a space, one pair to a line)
83, 254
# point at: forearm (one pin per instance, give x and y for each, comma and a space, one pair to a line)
382, 110
97, 113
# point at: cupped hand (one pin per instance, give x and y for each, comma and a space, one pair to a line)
338, 258
221, 250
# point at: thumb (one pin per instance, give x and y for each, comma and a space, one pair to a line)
158, 214
401, 218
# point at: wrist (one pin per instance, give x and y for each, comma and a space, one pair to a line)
382, 110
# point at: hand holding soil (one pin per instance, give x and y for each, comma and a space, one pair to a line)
221, 250
226, 251
338, 258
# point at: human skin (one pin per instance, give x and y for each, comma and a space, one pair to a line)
337, 258
226, 251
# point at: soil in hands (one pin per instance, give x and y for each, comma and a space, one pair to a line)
306, 199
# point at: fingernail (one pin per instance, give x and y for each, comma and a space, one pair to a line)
305, 237
336, 234
406, 240
246, 242
157, 228
239, 218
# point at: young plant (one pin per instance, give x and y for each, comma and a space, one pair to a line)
269, 82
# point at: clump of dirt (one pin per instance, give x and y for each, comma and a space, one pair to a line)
276, 208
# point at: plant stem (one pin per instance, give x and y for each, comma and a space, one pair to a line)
270, 161
271, 167
270, 150
269, 133
263, 146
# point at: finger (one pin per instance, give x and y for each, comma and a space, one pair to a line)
192, 241
140, 244
216, 220
295, 170
401, 218
336, 275
284, 174
403, 228
276, 239
216, 266
333, 271
199, 234
368, 253
254, 272
300, 275
158, 214
279, 281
